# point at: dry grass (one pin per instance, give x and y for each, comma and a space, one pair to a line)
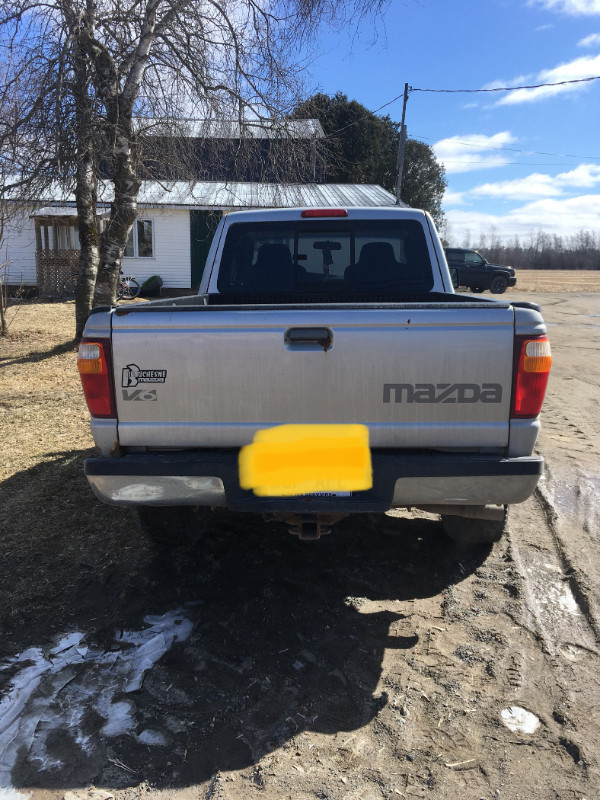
57, 542
42, 410
557, 280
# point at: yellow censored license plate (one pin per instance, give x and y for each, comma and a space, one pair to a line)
303, 459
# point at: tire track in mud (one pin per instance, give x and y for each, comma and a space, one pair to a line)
552, 592
570, 442
577, 582
552, 609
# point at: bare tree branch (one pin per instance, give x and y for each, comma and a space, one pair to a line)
77, 73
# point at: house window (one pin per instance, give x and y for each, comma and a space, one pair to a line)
140, 243
67, 237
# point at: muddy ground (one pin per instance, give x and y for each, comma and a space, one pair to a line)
372, 664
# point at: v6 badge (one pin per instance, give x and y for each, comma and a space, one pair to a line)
139, 394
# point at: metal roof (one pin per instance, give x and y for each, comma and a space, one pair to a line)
64, 211
230, 195
215, 194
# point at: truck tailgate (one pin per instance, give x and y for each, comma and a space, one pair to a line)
418, 375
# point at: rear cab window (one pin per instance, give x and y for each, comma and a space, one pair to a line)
337, 257
455, 256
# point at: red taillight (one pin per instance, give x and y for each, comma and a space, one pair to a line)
93, 363
324, 212
532, 361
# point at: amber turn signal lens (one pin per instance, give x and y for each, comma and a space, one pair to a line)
537, 356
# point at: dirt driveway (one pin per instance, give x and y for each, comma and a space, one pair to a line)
368, 665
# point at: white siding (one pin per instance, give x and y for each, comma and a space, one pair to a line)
17, 251
171, 258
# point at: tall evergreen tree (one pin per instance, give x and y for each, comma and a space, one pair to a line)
362, 147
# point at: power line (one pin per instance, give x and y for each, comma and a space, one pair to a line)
505, 163
364, 116
474, 91
511, 149
502, 88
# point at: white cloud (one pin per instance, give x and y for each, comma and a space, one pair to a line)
575, 8
473, 151
529, 188
563, 217
454, 198
584, 176
589, 41
579, 68
538, 185
501, 82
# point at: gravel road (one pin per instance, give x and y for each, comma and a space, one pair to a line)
372, 664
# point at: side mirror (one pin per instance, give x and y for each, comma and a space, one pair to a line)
454, 276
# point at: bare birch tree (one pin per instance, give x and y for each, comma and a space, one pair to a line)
50, 131
103, 64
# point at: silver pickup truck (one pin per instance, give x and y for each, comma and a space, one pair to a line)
327, 316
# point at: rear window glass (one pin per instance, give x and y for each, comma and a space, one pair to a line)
326, 257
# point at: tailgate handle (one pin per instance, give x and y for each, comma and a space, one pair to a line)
320, 338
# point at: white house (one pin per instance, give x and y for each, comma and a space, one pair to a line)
171, 235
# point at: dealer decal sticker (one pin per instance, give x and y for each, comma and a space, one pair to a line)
132, 375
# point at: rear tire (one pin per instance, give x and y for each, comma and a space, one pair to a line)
466, 532
171, 526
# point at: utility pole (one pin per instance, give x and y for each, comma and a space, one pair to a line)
401, 147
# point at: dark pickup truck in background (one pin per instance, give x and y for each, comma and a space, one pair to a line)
477, 274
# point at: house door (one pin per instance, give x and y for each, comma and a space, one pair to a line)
202, 227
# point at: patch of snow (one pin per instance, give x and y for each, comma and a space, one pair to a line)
150, 645
519, 720
56, 688
154, 738
567, 602
66, 643
560, 596
21, 710
12, 794
120, 719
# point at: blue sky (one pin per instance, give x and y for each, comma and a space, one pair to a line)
516, 162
